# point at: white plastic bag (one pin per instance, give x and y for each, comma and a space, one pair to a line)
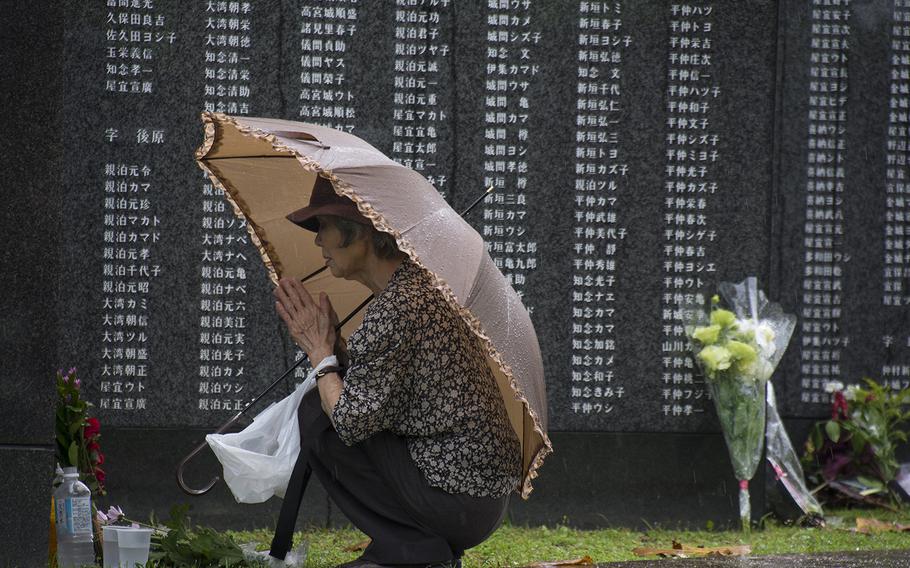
259, 459
295, 558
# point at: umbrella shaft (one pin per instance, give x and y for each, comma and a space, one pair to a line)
487, 192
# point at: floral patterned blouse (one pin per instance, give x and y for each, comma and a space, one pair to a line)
418, 371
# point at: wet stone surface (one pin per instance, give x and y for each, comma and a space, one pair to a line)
874, 559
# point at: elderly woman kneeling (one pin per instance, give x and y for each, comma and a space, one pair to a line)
411, 440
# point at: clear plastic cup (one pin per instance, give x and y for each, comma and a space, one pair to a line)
111, 550
133, 546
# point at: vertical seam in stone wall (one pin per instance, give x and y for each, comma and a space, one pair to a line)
282, 103
453, 112
775, 225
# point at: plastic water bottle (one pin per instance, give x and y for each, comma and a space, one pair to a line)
52, 537
73, 501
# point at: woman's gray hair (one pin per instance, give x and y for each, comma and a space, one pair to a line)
384, 244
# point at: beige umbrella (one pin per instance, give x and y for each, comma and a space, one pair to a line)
267, 168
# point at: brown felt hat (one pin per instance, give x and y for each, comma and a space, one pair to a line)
324, 201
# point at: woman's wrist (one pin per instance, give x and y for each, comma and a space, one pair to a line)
318, 355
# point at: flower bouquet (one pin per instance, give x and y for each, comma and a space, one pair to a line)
78, 434
77, 445
854, 453
737, 350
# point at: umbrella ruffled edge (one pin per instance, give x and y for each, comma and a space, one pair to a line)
266, 252
378, 221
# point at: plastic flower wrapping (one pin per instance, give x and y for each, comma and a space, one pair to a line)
738, 349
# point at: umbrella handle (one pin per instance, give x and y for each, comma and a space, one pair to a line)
183, 485
181, 482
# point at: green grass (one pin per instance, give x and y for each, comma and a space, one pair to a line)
519, 546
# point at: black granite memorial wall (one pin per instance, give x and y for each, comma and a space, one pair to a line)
33, 229
641, 152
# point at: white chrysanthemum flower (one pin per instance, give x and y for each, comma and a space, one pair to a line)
763, 333
851, 391
764, 336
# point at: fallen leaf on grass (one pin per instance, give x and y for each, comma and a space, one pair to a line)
583, 561
358, 547
685, 551
868, 526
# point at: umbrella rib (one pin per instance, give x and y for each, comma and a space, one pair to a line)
314, 273
289, 156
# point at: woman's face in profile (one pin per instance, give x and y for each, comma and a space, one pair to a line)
344, 262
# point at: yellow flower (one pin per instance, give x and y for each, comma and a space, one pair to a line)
723, 318
741, 352
706, 334
715, 358
744, 355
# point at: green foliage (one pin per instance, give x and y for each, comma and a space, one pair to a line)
76, 434
832, 428
183, 546
70, 420
861, 438
879, 420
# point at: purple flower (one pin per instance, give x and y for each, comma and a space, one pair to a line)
77, 383
72, 371
102, 518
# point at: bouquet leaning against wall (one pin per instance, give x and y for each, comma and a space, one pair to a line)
738, 349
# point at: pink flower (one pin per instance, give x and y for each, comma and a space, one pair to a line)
114, 513
839, 409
